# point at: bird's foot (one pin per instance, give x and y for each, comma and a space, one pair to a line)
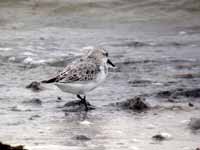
83, 101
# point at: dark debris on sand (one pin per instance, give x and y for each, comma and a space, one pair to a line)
179, 92
34, 86
137, 83
9, 147
76, 106
137, 104
130, 44
82, 138
158, 137
161, 137
194, 123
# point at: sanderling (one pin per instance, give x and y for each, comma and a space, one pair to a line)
84, 74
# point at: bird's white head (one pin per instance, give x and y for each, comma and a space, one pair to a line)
100, 55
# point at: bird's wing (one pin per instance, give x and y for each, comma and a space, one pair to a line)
79, 71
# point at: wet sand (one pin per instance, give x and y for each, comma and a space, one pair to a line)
154, 46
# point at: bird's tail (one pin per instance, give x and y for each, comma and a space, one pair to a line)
50, 80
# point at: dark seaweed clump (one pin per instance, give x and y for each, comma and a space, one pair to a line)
137, 104
9, 147
176, 93
34, 86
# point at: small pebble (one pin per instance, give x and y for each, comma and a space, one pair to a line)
190, 104
162, 136
82, 138
59, 98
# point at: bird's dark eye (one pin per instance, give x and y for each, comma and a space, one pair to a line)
105, 54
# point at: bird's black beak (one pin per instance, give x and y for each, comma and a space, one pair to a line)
110, 63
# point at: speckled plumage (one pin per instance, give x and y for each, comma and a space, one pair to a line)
81, 70
83, 75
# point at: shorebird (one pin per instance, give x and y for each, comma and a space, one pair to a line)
84, 74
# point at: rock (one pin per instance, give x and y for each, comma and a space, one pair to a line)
34, 86
9, 147
59, 99
82, 138
162, 136
158, 137
35, 101
194, 123
136, 104
76, 106
190, 104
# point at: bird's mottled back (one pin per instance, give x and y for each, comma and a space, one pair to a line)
80, 71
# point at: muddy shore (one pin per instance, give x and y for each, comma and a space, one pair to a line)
155, 46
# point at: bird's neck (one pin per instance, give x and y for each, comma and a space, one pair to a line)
104, 68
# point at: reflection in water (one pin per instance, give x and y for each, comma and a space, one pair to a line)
77, 116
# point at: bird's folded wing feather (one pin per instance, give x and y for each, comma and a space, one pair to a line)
81, 71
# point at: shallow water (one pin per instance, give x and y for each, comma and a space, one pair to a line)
151, 42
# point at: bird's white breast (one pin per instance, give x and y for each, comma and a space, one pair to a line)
102, 74
84, 86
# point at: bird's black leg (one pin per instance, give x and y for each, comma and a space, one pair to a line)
79, 98
85, 103
83, 100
